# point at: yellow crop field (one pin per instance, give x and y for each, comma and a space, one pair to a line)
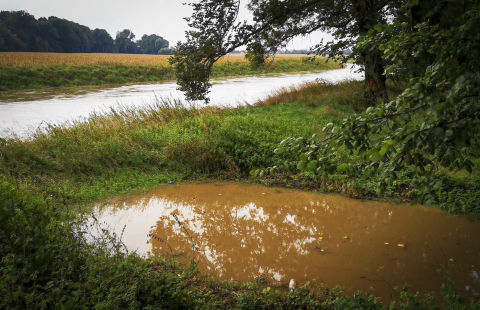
79, 60
19, 59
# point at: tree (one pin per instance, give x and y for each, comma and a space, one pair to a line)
68, 39
86, 37
166, 51
216, 33
9, 42
435, 121
23, 26
48, 34
102, 41
161, 43
124, 42
150, 44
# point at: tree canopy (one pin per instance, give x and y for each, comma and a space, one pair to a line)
433, 44
124, 41
216, 33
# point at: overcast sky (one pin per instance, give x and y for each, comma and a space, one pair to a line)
161, 17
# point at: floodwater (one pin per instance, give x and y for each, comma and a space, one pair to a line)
22, 112
249, 233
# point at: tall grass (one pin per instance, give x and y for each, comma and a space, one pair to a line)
167, 140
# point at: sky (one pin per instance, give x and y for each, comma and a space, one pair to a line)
161, 17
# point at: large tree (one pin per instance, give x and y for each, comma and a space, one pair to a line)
124, 41
150, 44
102, 41
433, 124
69, 41
216, 33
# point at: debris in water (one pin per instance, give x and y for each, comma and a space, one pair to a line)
386, 243
292, 285
171, 182
402, 245
321, 249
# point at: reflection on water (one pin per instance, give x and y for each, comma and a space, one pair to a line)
246, 232
23, 111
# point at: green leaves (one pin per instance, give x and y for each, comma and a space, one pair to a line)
438, 131
342, 168
378, 28
302, 165
312, 165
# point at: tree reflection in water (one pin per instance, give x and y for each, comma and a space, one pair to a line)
245, 232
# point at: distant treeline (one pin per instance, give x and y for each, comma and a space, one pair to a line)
22, 32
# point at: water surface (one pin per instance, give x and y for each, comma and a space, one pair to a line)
24, 111
249, 233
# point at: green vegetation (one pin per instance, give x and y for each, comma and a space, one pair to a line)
348, 138
432, 46
50, 261
20, 77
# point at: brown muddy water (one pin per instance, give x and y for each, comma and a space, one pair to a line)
248, 233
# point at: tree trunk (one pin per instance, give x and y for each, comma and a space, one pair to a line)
375, 88
375, 80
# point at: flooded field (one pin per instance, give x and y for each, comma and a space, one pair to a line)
22, 112
249, 233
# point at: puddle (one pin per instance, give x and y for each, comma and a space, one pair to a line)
246, 232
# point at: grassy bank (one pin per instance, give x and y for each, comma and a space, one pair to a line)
41, 70
136, 149
49, 263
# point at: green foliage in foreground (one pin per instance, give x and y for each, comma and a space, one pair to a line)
18, 77
49, 260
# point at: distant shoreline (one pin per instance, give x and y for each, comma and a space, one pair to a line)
20, 71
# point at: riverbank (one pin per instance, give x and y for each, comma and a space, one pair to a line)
44, 70
63, 169
140, 148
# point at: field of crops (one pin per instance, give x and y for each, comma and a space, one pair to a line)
85, 60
